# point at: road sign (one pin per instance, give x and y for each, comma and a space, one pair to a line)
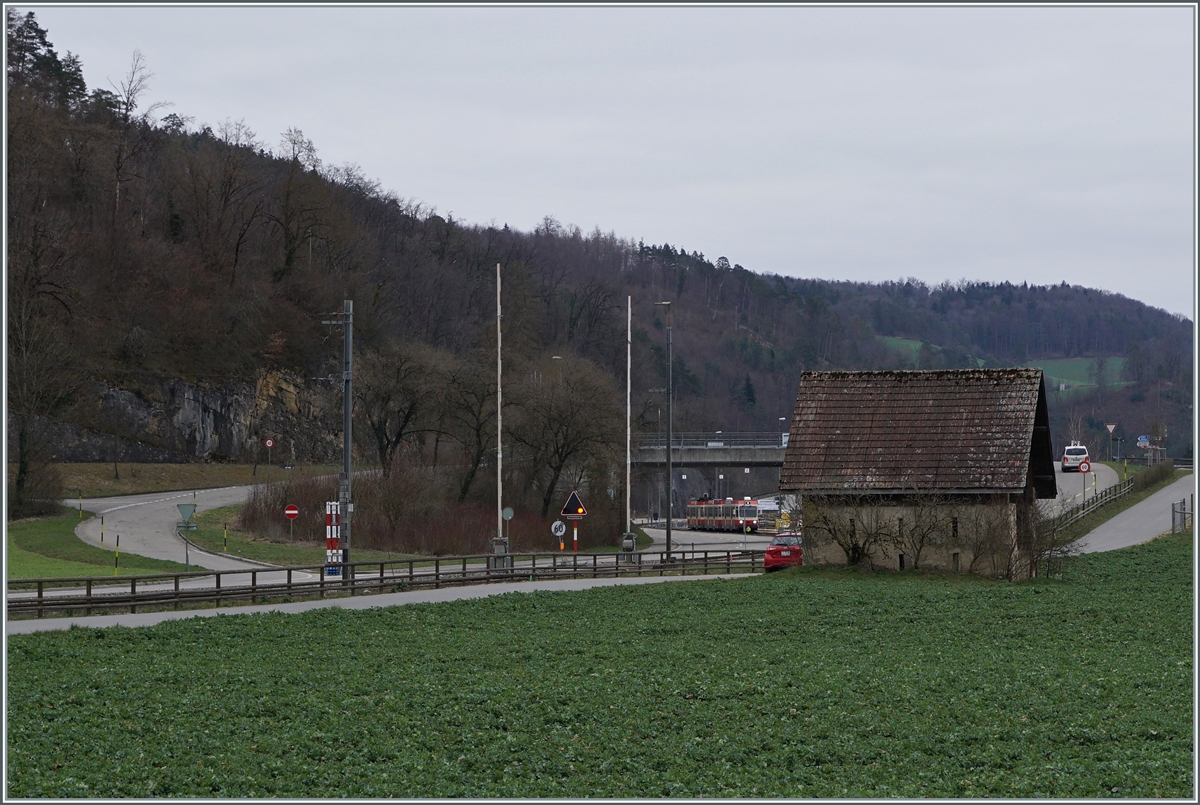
290, 511
269, 443
574, 509
1111, 427
1143, 442
186, 510
559, 528
1085, 467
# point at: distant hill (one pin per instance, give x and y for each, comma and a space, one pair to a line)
142, 250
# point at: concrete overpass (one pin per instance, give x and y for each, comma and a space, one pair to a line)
710, 449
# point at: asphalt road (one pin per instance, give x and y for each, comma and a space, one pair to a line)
146, 524
1140, 523
1074, 488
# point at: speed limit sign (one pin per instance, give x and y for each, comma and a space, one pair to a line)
1085, 466
559, 528
269, 443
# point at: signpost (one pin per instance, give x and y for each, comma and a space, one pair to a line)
1111, 427
574, 511
186, 510
269, 444
290, 511
500, 559
559, 529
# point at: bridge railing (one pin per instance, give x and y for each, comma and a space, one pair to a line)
658, 441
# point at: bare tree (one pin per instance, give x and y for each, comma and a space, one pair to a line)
468, 414
220, 195
568, 414
926, 524
984, 532
855, 523
300, 199
135, 133
395, 388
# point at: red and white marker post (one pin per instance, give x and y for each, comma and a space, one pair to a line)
333, 541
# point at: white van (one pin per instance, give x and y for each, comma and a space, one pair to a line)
1074, 455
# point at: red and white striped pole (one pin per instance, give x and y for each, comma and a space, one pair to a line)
333, 546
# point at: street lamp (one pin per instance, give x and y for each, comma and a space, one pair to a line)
670, 396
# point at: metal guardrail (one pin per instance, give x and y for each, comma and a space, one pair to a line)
1077, 513
88, 594
708, 440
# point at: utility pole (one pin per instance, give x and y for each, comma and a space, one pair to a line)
499, 419
345, 506
670, 399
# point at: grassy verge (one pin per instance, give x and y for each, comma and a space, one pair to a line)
46, 547
849, 686
99, 480
210, 534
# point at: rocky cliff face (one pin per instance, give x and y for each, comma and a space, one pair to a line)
176, 420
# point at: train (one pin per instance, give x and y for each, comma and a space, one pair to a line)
707, 514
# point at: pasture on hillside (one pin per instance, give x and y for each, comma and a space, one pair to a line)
806, 683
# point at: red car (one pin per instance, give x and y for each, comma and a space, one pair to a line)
784, 551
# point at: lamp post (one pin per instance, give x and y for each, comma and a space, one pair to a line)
670, 397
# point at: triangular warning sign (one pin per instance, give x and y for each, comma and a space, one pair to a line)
1111, 427
574, 508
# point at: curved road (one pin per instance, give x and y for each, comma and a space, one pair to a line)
146, 524
1074, 487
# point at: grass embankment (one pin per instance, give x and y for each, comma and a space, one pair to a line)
99, 480
46, 547
210, 534
801, 684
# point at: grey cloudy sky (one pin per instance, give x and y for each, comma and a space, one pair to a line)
1012, 143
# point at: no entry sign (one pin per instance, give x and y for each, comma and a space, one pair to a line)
290, 511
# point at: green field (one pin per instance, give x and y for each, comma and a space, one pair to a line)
802, 684
1076, 372
906, 347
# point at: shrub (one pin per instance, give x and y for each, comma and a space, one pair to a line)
1153, 475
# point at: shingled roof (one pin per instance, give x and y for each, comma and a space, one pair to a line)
950, 431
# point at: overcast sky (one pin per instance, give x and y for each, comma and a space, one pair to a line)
1021, 144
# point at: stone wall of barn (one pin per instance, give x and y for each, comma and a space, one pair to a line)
976, 534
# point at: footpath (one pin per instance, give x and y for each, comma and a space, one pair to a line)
1140, 523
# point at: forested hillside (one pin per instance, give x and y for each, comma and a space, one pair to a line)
146, 247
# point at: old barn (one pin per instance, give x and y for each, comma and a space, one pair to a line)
912, 469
